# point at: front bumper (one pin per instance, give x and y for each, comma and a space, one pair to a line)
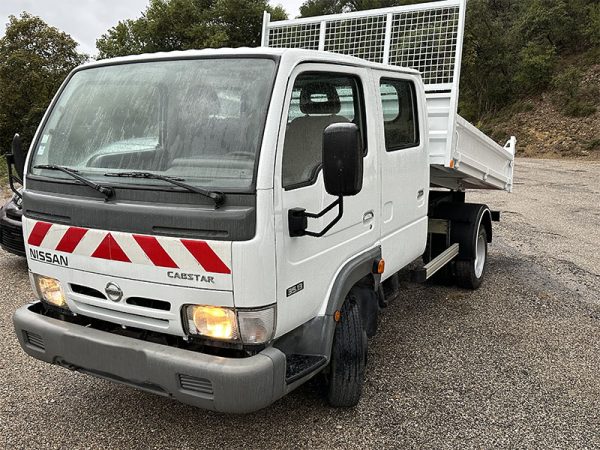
232, 385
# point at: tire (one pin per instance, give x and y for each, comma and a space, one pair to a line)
348, 358
469, 273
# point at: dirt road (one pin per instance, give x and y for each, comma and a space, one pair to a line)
516, 363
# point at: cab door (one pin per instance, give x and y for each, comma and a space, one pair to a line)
319, 95
404, 161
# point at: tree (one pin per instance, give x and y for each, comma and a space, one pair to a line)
311, 8
168, 25
34, 60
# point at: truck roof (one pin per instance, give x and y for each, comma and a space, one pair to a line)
288, 56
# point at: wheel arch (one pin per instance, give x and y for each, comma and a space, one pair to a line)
465, 219
316, 336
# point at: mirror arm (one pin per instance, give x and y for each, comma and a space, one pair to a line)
298, 219
12, 177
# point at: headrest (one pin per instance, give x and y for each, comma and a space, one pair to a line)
319, 98
198, 106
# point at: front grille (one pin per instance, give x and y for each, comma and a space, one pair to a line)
149, 303
200, 385
87, 309
35, 340
86, 290
12, 238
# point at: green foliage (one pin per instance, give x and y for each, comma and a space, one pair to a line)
593, 145
311, 8
168, 25
3, 172
535, 68
513, 48
571, 96
592, 28
34, 60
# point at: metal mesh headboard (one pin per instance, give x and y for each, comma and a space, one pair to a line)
427, 37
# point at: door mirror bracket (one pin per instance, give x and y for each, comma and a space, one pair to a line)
298, 219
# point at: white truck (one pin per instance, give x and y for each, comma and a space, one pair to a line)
218, 226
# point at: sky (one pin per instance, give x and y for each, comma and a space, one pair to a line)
87, 20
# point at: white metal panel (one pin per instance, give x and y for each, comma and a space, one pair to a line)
315, 262
477, 154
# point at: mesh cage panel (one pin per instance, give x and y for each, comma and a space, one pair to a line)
304, 36
426, 37
426, 41
363, 37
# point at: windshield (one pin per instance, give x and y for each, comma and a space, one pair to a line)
200, 120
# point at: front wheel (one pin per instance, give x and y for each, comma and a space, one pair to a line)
348, 357
469, 273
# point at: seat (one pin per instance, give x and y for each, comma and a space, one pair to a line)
302, 153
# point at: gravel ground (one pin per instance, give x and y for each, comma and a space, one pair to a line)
511, 365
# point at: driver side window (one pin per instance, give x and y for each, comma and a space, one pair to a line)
318, 100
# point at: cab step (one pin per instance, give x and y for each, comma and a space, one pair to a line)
299, 366
426, 272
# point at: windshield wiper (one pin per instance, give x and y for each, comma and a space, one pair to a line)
217, 197
107, 191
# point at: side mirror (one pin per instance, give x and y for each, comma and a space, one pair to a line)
17, 159
342, 159
18, 156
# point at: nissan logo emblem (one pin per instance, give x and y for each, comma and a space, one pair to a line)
113, 292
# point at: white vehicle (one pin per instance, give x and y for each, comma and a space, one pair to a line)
218, 226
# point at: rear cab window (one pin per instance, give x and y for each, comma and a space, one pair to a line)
400, 114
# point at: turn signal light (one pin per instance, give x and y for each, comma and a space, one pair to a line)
379, 266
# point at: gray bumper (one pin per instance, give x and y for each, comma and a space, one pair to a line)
233, 385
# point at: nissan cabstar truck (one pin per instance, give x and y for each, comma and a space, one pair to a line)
220, 226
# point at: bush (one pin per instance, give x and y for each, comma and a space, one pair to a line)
571, 96
3, 172
534, 72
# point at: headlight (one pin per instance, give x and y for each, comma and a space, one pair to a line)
49, 290
214, 322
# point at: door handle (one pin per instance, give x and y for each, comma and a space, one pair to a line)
421, 193
368, 216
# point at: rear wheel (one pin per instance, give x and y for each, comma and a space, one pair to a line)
469, 273
348, 357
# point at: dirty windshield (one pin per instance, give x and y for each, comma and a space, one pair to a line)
199, 120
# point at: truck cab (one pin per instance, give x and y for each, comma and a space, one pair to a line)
217, 226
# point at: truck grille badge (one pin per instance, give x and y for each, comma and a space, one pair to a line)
113, 292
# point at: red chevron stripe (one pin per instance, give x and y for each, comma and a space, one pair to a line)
71, 239
111, 250
39, 232
205, 255
155, 251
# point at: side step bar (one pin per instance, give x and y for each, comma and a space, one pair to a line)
425, 273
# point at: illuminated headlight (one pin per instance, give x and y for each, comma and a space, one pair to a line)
49, 290
223, 324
